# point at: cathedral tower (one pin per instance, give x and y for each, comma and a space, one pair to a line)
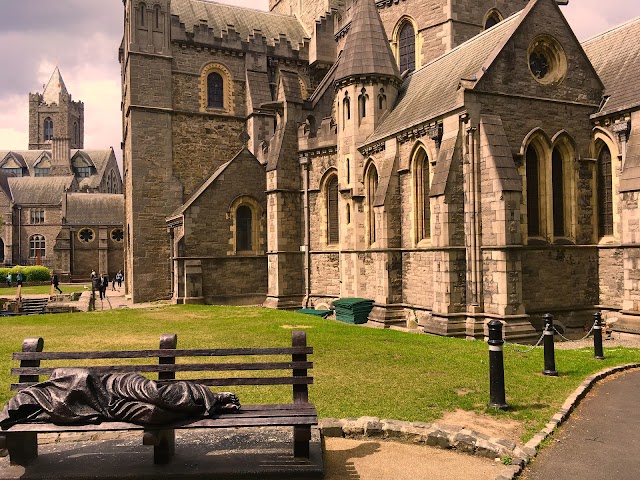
54, 114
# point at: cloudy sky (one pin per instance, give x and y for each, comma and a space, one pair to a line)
82, 37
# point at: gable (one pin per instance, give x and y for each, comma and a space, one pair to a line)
544, 31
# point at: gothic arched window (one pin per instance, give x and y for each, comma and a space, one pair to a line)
215, 90
533, 192
362, 104
372, 186
421, 195
346, 107
76, 134
557, 182
156, 15
244, 232
605, 193
48, 129
407, 48
333, 225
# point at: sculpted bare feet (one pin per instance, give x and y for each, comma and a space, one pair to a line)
229, 402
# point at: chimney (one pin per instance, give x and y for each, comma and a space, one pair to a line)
61, 156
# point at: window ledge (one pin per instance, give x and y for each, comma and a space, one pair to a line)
608, 240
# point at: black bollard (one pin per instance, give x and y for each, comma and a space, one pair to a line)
549, 352
597, 336
496, 366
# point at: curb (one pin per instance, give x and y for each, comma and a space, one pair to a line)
522, 456
419, 433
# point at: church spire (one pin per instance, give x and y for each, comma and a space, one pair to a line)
367, 50
54, 88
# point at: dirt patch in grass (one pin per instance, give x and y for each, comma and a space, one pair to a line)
295, 327
503, 428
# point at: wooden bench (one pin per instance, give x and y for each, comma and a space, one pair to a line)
22, 440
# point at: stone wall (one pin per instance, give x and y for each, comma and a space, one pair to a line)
234, 280
417, 275
611, 276
560, 280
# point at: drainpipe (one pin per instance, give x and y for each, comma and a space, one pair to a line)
19, 235
304, 161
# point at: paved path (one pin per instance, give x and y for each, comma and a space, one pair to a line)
601, 439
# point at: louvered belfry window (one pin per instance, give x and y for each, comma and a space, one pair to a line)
407, 48
533, 192
605, 193
333, 224
215, 91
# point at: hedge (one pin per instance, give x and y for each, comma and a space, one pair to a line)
36, 273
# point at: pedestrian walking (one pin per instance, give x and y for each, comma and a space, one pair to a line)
19, 279
119, 278
113, 284
9, 280
55, 281
103, 284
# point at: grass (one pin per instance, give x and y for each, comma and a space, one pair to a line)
40, 290
358, 371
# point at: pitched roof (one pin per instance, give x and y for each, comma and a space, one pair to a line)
54, 88
94, 209
367, 48
432, 90
99, 158
39, 190
242, 154
615, 55
244, 20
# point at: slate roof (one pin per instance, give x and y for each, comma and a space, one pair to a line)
54, 88
244, 20
432, 90
244, 153
615, 55
367, 48
94, 209
99, 158
39, 190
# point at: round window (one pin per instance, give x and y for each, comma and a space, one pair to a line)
86, 235
117, 235
547, 60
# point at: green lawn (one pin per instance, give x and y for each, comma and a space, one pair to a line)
41, 289
358, 371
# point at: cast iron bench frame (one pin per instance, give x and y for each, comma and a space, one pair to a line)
21, 440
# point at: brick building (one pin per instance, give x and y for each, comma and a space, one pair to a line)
455, 161
61, 205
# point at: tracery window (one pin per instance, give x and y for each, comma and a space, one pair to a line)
215, 90
605, 193
407, 48
86, 235
333, 225
37, 246
117, 235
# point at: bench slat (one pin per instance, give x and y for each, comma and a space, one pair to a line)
219, 352
251, 415
182, 367
220, 382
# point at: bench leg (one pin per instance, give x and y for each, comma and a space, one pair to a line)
22, 447
164, 444
301, 439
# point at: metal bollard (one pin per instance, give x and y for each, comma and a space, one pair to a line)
549, 352
597, 336
496, 366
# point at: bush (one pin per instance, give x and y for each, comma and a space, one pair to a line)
36, 273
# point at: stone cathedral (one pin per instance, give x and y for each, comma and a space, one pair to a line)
455, 161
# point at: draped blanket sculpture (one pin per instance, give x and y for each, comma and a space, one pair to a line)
80, 396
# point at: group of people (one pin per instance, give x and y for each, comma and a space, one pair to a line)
102, 283
19, 279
